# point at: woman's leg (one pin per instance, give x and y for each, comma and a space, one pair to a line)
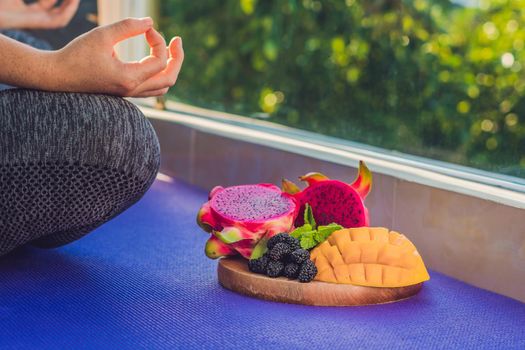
69, 163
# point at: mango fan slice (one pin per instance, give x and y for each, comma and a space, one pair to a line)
369, 256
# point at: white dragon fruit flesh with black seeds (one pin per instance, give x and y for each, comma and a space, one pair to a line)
240, 218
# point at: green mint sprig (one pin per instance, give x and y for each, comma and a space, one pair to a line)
310, 235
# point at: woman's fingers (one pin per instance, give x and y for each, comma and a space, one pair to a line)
157, 44
176, 59
154, 63
151, 76
126, 29
130, 27
167, 77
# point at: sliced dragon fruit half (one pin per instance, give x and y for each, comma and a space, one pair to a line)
242, 218
333, 201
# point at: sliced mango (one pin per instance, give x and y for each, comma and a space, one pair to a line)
369, 256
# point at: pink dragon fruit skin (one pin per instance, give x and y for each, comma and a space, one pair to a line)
215, 248
241, 217
333, 200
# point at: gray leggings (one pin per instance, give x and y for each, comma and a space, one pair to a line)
68, 163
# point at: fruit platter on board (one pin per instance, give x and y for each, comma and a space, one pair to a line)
312, 246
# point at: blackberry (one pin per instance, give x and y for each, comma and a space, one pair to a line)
279, 251
274, 268
299, 256
258, 265
307, 271
291, 270
294, 243
278, 238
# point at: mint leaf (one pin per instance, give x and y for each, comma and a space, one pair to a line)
310, 235
307, 240
298, 232
319, 237
309, 216
323, 232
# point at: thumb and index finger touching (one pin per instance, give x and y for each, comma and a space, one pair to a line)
162, 81
158, 59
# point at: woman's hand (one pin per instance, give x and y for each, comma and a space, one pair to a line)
15, 14
89, 63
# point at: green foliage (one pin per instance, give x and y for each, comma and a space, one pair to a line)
426, 77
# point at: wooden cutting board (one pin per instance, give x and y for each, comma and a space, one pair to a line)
234, 275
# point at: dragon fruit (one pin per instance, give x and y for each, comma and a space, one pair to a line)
242, 218
333, 201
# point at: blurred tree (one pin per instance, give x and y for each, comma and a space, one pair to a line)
425, 77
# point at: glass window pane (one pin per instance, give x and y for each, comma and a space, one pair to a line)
440, 79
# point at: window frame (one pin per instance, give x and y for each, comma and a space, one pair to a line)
482, 184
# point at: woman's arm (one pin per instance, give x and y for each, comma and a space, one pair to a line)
23, 65
89, 63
